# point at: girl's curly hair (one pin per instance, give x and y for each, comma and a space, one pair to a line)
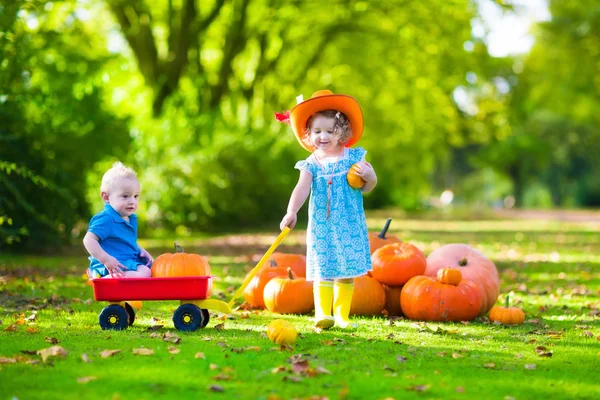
341, 128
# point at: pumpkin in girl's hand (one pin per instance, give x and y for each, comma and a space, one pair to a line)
368, 297
380, 239
297, 262
354, 180
254, 292
394, 264
507, 315
427, 299
392, 300
472, 264
289, 295
180, 264
282, 332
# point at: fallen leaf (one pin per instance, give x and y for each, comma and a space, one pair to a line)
300, 366
401, 358
457, 355
542, 351
86, 379
54, 351
173, 350
252, 348
213, 366
418, 388
32, 329
142, 352
109, 353
322, 370
200, 355
85, 358
279, 369
216, 388
171, 338
530, 366
220, 326
10, 328
442, 354
489, 365
154, 327
51, 340
292, 378
588, 334
8, 360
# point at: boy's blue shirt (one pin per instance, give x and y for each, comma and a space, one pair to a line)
117, 236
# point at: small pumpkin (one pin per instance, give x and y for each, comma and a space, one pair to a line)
297, 262
449, 276
380, 239
394, 264
354, 180
282, 332
254, 292
289, 295
180, 264
392, 300
368, 297
427, 299
507, 315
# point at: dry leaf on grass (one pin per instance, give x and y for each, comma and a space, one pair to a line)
54, 351
530, 366
10, 328
108, 353
86, 379
216, 388
200, 355
85, 358
51, 340
542, 351
173, 350
142, 352
171, 338
8, 360
32, 329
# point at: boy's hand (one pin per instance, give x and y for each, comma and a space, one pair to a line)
365, 171
115, 268
288, 220
147, 256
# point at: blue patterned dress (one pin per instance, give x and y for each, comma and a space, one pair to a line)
338, 246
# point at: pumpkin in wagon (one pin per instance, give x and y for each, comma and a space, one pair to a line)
180, 264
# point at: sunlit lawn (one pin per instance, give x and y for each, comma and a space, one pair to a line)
550, 267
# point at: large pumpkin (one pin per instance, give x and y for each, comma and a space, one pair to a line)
380, 239
472, 264
297, 262
394, 264
368, 297
254, 292
289, 295
429, 299
392, 300
180, 264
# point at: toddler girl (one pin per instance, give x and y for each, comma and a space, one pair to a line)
337, 239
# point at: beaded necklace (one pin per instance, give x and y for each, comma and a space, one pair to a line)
330, 179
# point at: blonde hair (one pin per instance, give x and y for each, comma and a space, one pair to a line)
117, 171
341, 130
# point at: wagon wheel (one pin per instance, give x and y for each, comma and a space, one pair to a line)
130, 313
113, 317
205, 317
188, 317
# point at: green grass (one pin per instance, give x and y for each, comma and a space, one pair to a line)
550, 267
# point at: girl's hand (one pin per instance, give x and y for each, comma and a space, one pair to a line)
147, 256
115, 268
288, 220
365, 171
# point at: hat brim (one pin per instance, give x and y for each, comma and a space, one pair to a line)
300, 114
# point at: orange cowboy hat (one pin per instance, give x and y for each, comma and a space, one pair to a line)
325, 100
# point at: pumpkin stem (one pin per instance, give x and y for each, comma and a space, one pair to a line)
463, 262
178, 248
385, 229
290, 275
507, 296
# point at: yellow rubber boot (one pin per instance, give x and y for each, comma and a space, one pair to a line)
323, 293
342, 300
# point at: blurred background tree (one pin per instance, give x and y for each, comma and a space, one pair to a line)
184, 91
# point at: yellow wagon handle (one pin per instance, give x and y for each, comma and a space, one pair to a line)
262, 261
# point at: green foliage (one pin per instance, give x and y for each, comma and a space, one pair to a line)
54, 126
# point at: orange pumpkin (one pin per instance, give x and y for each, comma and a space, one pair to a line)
354, 180
394, 264
180, 264
450, 276
392, 300
472, 264
379, 239
254, 292
297, 262
425, 298
507, 315
368, 297
289, 295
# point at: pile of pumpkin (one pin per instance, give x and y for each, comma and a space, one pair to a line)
454, 283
